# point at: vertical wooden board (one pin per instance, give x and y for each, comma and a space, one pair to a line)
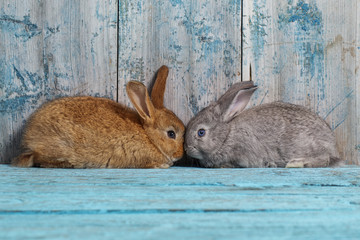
51, 49
135, 19
357, 82
80, 47
21, 71
339, 106
200, 41
214, 33
259, 50
303, 52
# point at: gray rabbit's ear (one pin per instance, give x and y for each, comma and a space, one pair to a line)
139, 97
234, 104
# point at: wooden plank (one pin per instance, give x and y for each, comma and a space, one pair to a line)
193, 202
20, 69
254, 225
357, 82
200, 41
52, 49
304, 52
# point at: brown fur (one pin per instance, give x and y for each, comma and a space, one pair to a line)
89, 132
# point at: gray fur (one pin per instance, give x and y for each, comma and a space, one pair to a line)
270, 135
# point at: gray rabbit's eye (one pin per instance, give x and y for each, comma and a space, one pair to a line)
201, 132
171, 134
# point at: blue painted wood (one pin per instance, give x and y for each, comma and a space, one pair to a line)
179, 203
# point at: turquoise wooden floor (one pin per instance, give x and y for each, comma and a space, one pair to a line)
179, 203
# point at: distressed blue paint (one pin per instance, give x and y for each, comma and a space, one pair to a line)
205, 35
174, 3
338, 123
309, 42
31, 85
332, 109
307, 17
309, 46
176, 47
54, 29
19, 76
194, 103
98, 14
258, 24
22, 88
92, 50
33, 82
15, 95
19, 103
50, 31
235, 5
23, 29
123, 13
105, 16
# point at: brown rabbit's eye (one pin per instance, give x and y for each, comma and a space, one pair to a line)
171, 134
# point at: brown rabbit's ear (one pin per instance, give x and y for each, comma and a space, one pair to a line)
236, 105
139, 97
158, 90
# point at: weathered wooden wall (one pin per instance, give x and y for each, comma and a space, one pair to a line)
304, 52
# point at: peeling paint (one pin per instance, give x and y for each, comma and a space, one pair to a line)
194, 105
332, 109
306, 16
258, 24
174, 3
19, 103
123, 13
304, 21
309, 42
23, 29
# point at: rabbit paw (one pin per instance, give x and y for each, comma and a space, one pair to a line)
164, 165
296, 163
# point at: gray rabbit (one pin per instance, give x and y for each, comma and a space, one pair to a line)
269, 135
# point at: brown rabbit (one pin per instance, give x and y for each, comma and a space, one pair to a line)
90, 132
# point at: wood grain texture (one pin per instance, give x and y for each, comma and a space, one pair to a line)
193, 203
199, 41
357, 82
51, 49
304, 52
